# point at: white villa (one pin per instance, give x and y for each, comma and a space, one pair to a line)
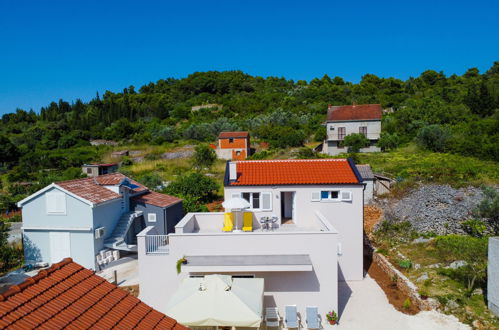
348, 119
302, 234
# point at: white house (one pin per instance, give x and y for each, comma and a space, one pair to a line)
87, 219
348, 119
302, 233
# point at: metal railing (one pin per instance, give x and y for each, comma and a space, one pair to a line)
157, 244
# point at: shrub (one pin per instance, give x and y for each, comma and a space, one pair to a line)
355, 142
151, 180
306, 153
126, 161
405, 264
320, 134
489, 207
264, 154
474, 228
433, 137
204, 156
407, 303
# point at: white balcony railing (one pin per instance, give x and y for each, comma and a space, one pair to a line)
157, 244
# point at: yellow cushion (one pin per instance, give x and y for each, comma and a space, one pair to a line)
228, 221
248, 221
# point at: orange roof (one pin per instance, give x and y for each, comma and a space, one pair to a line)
298, 171
157, 199
92, 189
68, 295
227, 135
354, 112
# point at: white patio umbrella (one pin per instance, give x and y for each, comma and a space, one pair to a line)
237, 205
218, 300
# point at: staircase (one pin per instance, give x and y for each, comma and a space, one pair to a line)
117, 239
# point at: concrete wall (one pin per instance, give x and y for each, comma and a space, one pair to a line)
346, 217
174, 214
107, 216
493, 276
368, 191
319, 287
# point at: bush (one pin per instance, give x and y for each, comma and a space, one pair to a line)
204, 156
407, 303
164, 134
388, 141
433, 137
151, 180
320, 134
474, 228
405, 264
126, 161
195, 185
264, 154
306, 153
489, 207
355, 142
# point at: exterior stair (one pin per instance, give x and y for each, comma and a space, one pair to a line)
117, 239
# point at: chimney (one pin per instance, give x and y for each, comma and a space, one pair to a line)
232, 171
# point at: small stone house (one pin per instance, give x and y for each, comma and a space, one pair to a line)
348, 119
233, 145
93, 170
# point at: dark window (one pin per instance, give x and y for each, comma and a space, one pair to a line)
334, 194
256, 200
363, 130
231, 140
238, 153
341, 133
330, 194
246, 196
243, 276
89, 171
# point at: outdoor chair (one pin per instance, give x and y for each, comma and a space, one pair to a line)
228, 221
248, 221
272, 318
292, 320
313, 321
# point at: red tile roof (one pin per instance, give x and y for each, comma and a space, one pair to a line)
354, 112
288, 172
66, 295
157, 199
92, 189
227, 135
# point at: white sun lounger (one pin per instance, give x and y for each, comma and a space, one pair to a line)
272, 318
291, 320
313, 321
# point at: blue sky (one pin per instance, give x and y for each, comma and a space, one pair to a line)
71, 49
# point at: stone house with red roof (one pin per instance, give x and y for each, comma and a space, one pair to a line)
233, 145
344, 120
69, 296
302, 233
92, 219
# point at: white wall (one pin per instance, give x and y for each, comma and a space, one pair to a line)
373, 128
346, 217
159, 280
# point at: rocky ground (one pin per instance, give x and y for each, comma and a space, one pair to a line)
434, 208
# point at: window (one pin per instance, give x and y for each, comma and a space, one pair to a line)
331, 128
55, 202
341, 133
151, 217
330, 195
231, 140
243, 276
259, 201
89, 170
238, 153
363, 130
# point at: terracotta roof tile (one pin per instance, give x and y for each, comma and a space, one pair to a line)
93, 190
69, 296
157, 199
289, 172
227, 135
354, 112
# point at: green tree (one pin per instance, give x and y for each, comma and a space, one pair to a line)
194, 185
204, 156
355, 142
388, 141
9, 153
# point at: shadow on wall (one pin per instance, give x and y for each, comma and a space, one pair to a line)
344, 294
32, 253
308, 282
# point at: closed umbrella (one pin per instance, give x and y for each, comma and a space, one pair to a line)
218, 300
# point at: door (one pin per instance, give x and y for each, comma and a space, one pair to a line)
287, 207
60, 246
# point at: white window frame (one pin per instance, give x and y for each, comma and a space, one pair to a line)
262, 193
51, 197
151, 217
317, 196
329, 199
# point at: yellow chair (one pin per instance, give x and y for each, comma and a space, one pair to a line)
228, 221
248, 221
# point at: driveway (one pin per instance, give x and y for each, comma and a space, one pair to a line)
364, 305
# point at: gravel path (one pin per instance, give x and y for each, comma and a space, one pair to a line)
363, 305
